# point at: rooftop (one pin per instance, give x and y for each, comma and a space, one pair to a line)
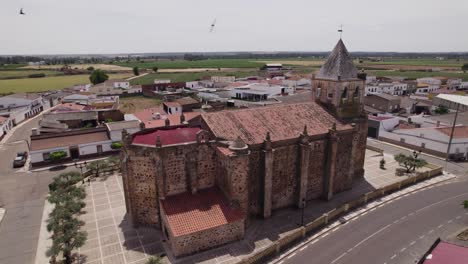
458, 132
186, 101
69, 138
445, 253
174, 120
339, 65
27, 96
123, 125
385, 96
284, 121
189, 213
71, 107
167, 137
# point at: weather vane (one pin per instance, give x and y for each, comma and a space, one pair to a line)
341, 30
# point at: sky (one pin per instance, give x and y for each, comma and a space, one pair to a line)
137, 26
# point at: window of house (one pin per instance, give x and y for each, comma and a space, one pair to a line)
356, 92
344, 95
330, 95
46, 155
99, 149
318, 92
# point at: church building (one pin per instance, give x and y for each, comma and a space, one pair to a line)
200, 184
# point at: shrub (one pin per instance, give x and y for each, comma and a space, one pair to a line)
37, 75
58, 155
465, 203
382, 163
116, 145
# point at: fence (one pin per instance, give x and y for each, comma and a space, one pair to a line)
299, 233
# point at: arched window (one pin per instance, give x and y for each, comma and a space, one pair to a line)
344, 95
356, 92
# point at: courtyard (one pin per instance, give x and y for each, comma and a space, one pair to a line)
112, 239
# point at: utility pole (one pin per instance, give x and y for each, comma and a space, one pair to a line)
451, 136
81, 166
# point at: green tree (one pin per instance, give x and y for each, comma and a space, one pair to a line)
97, 166
154, 260
465, 203
441, 109
464, 67
410, 162
58, 155
63, 223
155, 69
136, 71
98, 76
90, 68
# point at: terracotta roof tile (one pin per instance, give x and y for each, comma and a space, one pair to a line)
189, 213
282, 121
186, 101
459, 132
445, 253
168, 137
174, 120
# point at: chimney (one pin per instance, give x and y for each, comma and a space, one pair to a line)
167, 122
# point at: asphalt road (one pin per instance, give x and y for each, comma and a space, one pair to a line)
398, 232
22, 194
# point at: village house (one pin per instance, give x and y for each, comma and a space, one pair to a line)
115, 87
200, 184
6, 124
21, 106
384, 102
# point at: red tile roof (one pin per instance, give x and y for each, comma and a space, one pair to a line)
168, 137
445, 253
189, 213
459, 132
174, 120
282, 121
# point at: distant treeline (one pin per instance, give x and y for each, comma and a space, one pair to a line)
88, 59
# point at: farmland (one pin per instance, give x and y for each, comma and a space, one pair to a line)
105, 67
47, 83
18, 74
186, 76
137, 103
419, 74
184, 64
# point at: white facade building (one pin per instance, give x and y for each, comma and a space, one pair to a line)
394, 88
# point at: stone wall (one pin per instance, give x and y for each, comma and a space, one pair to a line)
342, 180
142, 189
360, 153
257, 165
315, 181
210, 238
285, 172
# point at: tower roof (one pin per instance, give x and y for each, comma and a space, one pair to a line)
339, 65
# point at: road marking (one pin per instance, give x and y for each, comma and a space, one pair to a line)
394, 256
412, 243
449, 221
411, 214
303, 248
403, 217
396, 221
421, 237
281, 262
440, 226
403, 249
431, 231
458, 217
292, 255
338, 258
367, 238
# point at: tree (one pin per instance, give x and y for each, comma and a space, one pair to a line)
410, 162
465, 203
136, 71
155, 69
90, 68
98, 76
464, 67
58, 155
154, 260
97, 166
116, 145
441, 109
63, 223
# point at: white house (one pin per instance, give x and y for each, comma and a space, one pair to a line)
259, 91
223, 79
393, 88
77, 144
430, 81
6, 124
116, 128
159, 81
21, 106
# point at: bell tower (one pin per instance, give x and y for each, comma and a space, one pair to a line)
338, 86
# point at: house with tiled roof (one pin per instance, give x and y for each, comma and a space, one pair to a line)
201, 184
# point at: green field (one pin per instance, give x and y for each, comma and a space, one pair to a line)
418, 62
12, 74
186, 76
183, 64
419, 74
47, 83
12, 66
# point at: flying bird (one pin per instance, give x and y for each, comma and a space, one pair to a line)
21, 12
213, 25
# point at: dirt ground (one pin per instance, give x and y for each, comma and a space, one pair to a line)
130, 105
106, 67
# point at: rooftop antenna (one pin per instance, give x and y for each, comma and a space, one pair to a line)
341, 30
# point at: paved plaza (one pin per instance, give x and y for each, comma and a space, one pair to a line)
111, 239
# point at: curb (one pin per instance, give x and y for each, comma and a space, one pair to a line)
43, 242
322, 234
2, 214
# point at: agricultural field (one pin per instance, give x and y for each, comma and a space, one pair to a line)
134, 104
295, 62
186, 76
419, 74
418, 62
18, 74
11, 66
47, 83
184, 64
105, 67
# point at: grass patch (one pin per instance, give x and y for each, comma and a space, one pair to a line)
25, 73
183, 64
47, 83
12, 66
186, 76
419, 74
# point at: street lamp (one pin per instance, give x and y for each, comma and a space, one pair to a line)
81, 166
303, 203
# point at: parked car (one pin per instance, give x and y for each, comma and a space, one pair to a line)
20, 159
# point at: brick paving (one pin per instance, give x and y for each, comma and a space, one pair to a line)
111, 239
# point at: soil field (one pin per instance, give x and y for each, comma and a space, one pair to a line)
186, 76
105, 67
129, 105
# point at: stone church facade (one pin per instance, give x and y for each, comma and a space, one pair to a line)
200, 185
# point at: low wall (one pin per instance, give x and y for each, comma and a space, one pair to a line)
414, 147
299, 233
374, 149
